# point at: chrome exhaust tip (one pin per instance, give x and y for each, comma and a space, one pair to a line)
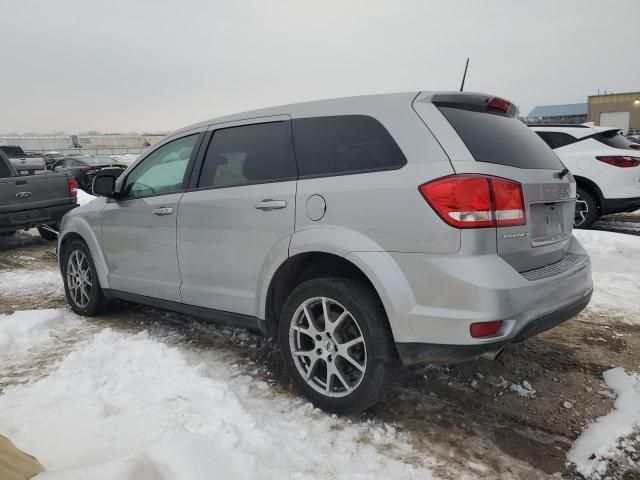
493, 354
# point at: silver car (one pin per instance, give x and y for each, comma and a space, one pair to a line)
363, 233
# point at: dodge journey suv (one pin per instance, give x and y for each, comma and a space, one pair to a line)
363, 233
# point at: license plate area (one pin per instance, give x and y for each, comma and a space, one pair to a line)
29, 216
550, 222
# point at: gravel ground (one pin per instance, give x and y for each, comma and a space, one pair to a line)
512, 418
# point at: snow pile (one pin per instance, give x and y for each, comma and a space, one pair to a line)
125, 406
25, 332
84, 197
615, 263
599, 441
31, 282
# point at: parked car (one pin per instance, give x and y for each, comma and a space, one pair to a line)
635, 139
34, 201
605, 164
421, 227
24, 163
85, 167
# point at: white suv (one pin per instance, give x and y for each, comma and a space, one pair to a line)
605, 164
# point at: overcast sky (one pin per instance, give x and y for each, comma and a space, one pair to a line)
155, 65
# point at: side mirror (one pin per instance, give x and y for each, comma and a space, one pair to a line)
104, 185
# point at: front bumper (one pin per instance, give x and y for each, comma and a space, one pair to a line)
415, 353
619, 205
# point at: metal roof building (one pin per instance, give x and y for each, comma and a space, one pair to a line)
568, 113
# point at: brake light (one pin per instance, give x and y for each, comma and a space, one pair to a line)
476, 201
73, 187
484, 329
498, 103
622, 161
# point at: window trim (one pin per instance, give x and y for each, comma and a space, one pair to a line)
187, 173
349, 172
206, 143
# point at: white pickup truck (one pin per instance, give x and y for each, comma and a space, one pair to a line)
24, 163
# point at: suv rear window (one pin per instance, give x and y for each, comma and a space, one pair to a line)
557, 139
614, 139
502, 140
344, 144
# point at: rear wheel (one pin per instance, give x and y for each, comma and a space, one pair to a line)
587, 210
336, 344
81, 284
48, 232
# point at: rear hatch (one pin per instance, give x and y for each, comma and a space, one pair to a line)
34, 192
489, 140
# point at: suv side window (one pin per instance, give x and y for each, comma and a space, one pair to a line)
556, 139
163, 171
344, 144
248, 154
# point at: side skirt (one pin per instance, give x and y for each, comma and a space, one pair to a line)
207, 314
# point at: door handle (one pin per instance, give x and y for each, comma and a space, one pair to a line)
268, 204
163, 211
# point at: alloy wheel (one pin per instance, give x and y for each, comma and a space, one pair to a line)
581, 212
328, 347
79, 279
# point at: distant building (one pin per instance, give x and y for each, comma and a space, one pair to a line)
569, 113
620, 110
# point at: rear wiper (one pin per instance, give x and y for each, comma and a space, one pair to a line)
562, 173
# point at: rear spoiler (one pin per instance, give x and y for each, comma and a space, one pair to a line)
475, 102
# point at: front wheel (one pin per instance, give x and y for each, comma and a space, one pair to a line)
336, 344
587, 210
81, 284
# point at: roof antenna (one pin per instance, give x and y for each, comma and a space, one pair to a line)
464, 76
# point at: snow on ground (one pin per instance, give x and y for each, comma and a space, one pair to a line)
31, 282
28, 331
125, 406
599, 442
615, 264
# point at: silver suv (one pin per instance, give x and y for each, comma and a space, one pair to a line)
360, 232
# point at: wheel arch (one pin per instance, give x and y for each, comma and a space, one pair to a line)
590, 185
78, 229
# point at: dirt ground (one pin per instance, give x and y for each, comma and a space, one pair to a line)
511, 418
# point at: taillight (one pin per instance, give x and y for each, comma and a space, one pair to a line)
484, 329
498, 103
476, 201
622, 161
73, 187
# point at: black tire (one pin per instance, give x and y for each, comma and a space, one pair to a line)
8, 234
97, 303
47, 234
368, 315
589, 206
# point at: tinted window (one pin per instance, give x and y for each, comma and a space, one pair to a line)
162, 172
5, 172
344, 144
12, 151
556, 139
500, 139
613, 139
256, 153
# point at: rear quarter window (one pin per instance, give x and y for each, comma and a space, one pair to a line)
614, 139
556, 139
344, 144
501, 140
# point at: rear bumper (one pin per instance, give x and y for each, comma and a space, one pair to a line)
33, 218
415, 353
619, 205
431, 300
